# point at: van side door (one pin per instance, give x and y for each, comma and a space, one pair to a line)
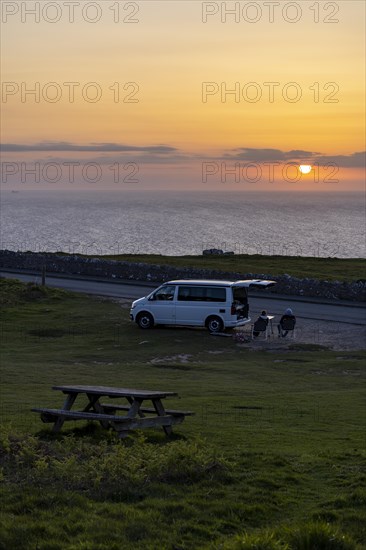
195, 303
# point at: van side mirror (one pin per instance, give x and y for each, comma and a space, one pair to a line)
152, 297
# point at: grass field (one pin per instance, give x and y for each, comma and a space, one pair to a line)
274, 457
327, 269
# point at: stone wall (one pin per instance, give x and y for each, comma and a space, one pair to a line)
95, 267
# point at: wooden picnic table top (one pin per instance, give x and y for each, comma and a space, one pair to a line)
115, 392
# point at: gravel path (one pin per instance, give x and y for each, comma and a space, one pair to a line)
333, 335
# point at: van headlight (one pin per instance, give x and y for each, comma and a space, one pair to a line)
133, 305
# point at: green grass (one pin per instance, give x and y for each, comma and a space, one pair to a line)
327, 269
273, 458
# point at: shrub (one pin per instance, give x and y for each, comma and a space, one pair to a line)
310, 536
264, 541
13, 292
319, 536
107, 467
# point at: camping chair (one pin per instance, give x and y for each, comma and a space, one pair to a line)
261, 325
287, 326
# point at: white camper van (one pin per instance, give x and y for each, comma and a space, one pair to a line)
213, 304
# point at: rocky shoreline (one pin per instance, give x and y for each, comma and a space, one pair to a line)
96, 267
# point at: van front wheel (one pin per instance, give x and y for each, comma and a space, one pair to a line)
214, 324
145, 320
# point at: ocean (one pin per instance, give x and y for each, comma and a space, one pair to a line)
180, 223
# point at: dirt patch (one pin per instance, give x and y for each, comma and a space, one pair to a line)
183, 358
291, 361
331, 372
172, 367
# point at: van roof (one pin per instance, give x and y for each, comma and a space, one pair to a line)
213, 282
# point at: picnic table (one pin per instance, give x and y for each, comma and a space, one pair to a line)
136, 414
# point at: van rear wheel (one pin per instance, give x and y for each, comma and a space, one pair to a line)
214, 324
145, 320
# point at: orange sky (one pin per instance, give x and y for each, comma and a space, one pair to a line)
178, 68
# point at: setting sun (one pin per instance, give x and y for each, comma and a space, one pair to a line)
305, 168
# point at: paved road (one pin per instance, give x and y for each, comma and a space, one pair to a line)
303, 308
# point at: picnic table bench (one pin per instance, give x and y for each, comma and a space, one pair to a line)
106, 413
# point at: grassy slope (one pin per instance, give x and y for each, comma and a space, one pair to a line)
331, 269
290, 422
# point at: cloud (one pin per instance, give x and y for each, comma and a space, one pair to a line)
122, 158
247, 154
165, 154
355, 160
65, 146
104, 153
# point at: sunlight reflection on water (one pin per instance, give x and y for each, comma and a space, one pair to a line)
177, 223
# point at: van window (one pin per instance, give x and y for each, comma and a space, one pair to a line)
165, 293
201, 294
